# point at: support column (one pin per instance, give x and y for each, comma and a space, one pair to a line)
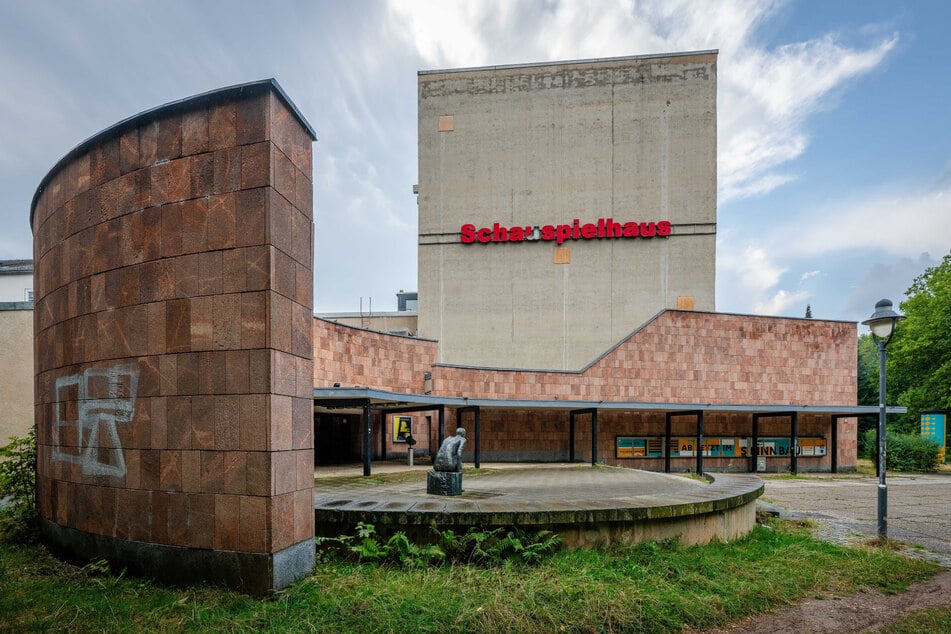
667, 420
699, 443
755, 442
367, 420
794, 442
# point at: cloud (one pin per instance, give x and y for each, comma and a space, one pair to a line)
755, 275
890, 279
765, 95
780, 302
899, 224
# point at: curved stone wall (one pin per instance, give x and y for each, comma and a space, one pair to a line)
173, 342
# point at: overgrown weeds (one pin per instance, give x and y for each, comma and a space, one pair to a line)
475, 546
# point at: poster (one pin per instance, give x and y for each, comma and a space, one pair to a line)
402, 428
715, 447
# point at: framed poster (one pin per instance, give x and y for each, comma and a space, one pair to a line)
402, 428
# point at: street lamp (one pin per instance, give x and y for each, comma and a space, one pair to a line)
882, 324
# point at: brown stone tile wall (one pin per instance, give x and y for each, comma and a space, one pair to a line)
176, 253
355, 356
692, 357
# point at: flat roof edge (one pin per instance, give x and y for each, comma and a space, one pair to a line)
591, 60
406, 398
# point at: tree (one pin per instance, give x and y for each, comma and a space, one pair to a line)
868, 370
808, 311
919, 356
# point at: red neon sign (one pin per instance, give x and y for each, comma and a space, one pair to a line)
604, 228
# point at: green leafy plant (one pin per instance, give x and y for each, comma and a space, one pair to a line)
475, 546
367, 546
904, 452
17, 489
496, 546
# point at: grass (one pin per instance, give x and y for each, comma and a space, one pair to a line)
652, 587
930, 620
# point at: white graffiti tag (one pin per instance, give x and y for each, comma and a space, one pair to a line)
85, 430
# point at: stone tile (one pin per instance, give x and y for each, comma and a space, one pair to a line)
252, 120
253, 534
221, 126
195, 138
255, 165
227, 514
200, 529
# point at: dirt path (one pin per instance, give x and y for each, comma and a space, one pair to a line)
843, 511
866, 612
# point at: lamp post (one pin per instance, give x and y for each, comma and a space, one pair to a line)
882, 324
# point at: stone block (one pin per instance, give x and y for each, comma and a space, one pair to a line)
444, 483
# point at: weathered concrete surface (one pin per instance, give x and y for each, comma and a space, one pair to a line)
16, 359
846, 507
587, 506
632, 139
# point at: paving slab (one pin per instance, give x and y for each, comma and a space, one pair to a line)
542, 494
846, 507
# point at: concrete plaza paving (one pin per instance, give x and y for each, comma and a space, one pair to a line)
845, 506
573, 496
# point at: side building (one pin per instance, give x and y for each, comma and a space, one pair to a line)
16, 348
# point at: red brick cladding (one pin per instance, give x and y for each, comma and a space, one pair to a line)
179, 247
692, 357
354, 356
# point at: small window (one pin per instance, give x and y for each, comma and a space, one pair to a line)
28, 294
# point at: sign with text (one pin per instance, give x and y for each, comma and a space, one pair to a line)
602, 229
715, 447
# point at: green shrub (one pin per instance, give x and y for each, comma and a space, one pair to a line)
18, 489
904, 452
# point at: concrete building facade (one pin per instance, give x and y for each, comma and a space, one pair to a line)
562, 205
16, 359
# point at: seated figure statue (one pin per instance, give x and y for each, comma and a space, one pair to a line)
449, 456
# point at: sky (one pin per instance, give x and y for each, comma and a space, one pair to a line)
834, 119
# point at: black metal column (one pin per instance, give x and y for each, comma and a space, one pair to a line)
794, 442
594, 437
367, 436
667, 443
835, 443
754, 443
571, 436
478, 440
699, 443
442, 426
382, 435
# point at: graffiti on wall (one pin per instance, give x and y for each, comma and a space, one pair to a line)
88, 409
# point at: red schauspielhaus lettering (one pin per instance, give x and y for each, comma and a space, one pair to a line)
604, 228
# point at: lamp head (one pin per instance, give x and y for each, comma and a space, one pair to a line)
883, 320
